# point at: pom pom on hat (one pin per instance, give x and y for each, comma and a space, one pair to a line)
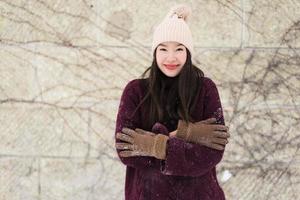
182, 11
174, 28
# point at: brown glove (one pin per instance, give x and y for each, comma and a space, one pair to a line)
142, 143
204, 133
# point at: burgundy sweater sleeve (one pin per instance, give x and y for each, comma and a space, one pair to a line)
125, 118
187, 159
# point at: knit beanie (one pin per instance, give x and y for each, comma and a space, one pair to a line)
174, 28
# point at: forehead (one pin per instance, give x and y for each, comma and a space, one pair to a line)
170, 44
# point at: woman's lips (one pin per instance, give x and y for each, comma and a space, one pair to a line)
171, 67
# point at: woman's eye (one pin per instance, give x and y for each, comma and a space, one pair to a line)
163, 49
180, 49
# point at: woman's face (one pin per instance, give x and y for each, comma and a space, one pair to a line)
170, 58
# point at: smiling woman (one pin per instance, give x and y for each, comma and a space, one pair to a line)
170, 130
170, 58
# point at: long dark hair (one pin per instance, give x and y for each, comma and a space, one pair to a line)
171, 97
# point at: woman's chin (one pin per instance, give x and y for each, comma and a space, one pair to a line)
171, 75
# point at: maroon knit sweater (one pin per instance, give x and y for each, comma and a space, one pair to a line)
188, 172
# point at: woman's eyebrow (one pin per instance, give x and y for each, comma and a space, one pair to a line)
166, 45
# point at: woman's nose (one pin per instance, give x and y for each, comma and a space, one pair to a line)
171, 57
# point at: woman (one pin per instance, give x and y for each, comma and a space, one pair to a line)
170, 130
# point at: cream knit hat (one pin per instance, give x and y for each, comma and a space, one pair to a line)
174, 28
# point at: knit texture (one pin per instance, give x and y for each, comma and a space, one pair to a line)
188, 172
174, 28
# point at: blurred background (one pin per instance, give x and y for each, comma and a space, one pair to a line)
64, 64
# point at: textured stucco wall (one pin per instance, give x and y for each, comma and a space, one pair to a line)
63, 67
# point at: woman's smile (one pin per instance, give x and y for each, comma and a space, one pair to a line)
171, 66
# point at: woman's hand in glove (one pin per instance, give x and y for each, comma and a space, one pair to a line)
204, 132
139, 142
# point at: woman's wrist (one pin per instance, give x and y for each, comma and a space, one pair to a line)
182, 129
